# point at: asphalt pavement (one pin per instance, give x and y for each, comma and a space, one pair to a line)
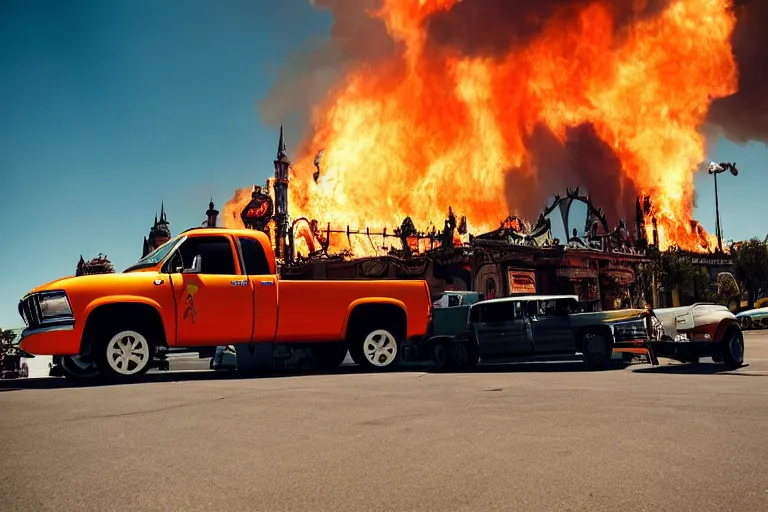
527, 437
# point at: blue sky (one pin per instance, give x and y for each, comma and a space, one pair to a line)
109, 107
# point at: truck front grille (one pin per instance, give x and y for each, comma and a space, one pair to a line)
29, 309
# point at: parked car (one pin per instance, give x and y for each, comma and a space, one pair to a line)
539, 327
753, 319
13, 362
689, 333
449, 319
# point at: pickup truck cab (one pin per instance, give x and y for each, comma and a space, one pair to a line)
211, 287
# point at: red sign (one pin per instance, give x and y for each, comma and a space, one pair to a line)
521, 281
259, 211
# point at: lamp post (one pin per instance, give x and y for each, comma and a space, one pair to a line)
715, 169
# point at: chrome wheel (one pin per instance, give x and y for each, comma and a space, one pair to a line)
380, 348
128, 353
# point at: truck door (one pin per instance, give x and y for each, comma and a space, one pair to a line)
215, 305
551, 329
264, 284
499, 330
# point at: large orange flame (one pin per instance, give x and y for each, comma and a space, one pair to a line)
433, 129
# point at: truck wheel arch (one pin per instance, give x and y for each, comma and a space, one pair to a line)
583, 331
105, 309
391, 309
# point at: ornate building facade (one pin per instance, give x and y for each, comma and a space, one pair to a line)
98, 265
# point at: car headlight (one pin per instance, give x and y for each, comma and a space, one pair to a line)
54, 305
630, 330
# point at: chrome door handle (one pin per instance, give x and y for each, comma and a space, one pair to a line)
158, 282
240, 282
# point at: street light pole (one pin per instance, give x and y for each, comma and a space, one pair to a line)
715, 169
717, 219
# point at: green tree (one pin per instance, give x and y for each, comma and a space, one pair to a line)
7, 336
6, 341
673, 270
750, 260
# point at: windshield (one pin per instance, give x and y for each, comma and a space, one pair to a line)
156, 256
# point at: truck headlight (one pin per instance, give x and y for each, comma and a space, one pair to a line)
54, 305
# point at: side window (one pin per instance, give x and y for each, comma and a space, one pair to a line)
254, 258
453, 301
498, 312
216, 252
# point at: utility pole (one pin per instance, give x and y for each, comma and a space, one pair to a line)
715, 169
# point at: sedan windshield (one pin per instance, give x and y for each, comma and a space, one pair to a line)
156, 256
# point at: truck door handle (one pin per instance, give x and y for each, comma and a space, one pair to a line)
239, 282
158, 282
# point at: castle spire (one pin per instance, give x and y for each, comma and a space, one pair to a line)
280, 187
212, 214
162, 212
281, 148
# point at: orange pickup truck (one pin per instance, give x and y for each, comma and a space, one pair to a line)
213, 286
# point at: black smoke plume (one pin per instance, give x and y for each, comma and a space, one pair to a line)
743, 117
493, 27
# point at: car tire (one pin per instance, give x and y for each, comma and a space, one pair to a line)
733, 349
375, 349
597, 349
123, 353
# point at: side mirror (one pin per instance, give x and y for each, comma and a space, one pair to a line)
197, 266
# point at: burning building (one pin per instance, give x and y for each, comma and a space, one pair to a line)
481, 109
597, 262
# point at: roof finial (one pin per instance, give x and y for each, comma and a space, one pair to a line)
281, 150
162, 211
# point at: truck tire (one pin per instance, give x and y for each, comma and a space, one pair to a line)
732, 347
463, 354
440, 355
123, 351
375, 348
79, 370
597, 350
329, 355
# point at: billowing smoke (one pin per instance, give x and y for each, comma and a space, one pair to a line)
307, 77
494, 27
553, 166
744, 116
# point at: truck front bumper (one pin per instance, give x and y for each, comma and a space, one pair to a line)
55, 340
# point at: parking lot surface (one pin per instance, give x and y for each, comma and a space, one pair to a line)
527, 437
